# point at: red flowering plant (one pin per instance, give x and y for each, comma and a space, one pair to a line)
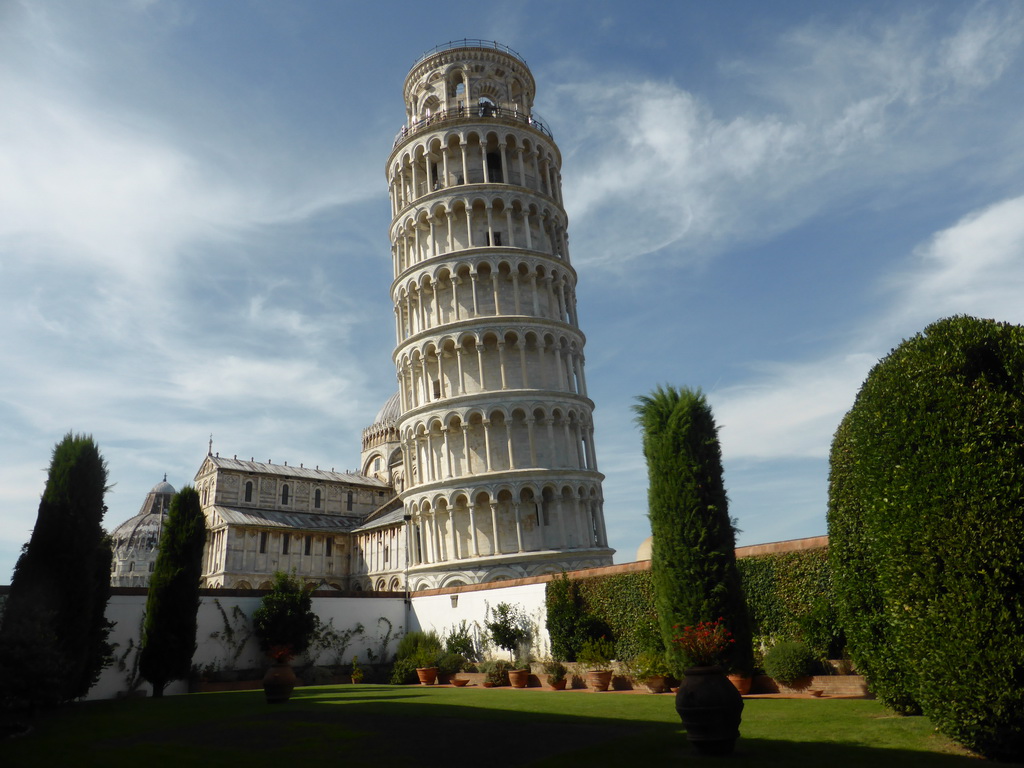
704, 645
281, 653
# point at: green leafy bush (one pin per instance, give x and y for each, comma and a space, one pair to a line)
597, 653
460, 640
788, 661
510, 629
496, 671
450, 663
422, 649
285, 623
927, 531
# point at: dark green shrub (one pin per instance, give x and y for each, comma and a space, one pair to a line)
450, 663
285, 623
403, 672
788, 661
693, 559
927, 530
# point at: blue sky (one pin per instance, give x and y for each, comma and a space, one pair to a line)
764, 199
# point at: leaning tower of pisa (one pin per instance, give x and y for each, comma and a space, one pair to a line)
500, 469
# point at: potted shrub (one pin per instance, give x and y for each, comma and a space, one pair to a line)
556, 672
650, 668
416, 659
495, 672
510, 630
284, 624
708, 704
596, 654
790, 663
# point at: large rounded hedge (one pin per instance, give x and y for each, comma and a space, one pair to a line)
926, 525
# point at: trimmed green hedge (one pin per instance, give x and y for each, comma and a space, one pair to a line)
926, 518
789, 596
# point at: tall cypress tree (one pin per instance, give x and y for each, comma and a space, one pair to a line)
61, 583
693, 559
169, 633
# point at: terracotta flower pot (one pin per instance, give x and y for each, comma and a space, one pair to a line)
742, 683
427, 675
656, 684
458, 682
519, 678
279, 682
710, 708
558, 685
599, 679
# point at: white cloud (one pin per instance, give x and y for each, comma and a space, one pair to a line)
975, 267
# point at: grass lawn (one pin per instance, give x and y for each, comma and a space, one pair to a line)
385, 726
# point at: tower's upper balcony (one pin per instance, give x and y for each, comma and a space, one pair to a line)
480, 112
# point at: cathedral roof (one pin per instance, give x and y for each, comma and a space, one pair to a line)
287, 470
267, 518
394, 517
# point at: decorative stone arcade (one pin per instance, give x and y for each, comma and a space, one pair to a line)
496, 426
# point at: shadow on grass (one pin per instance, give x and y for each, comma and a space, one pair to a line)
385, 727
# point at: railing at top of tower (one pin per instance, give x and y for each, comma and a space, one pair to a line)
469, 43
484, 110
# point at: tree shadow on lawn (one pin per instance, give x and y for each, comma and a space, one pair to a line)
391, 729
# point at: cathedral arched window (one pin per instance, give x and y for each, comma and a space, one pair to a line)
348, 501
316, 498
284, 493
248, 490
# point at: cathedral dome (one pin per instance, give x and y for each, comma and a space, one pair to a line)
390, 412
136, 540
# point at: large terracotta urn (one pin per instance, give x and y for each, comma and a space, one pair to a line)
279, 682
427, 675
599, 679
710, 708
519, 678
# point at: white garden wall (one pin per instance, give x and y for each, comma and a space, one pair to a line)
434, 610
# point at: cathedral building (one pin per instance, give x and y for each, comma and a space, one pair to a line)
483, 465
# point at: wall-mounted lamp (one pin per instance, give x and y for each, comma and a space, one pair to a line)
455, 601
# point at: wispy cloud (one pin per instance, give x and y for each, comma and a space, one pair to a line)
836, 110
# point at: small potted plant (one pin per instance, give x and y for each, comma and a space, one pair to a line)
596, 654
650, 668
510, 630
556, 672
284, 624
356, 672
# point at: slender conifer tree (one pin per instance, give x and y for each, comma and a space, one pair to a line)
693, 559
169, 633
54, 629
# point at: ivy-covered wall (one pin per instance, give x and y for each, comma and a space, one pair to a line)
789, 596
